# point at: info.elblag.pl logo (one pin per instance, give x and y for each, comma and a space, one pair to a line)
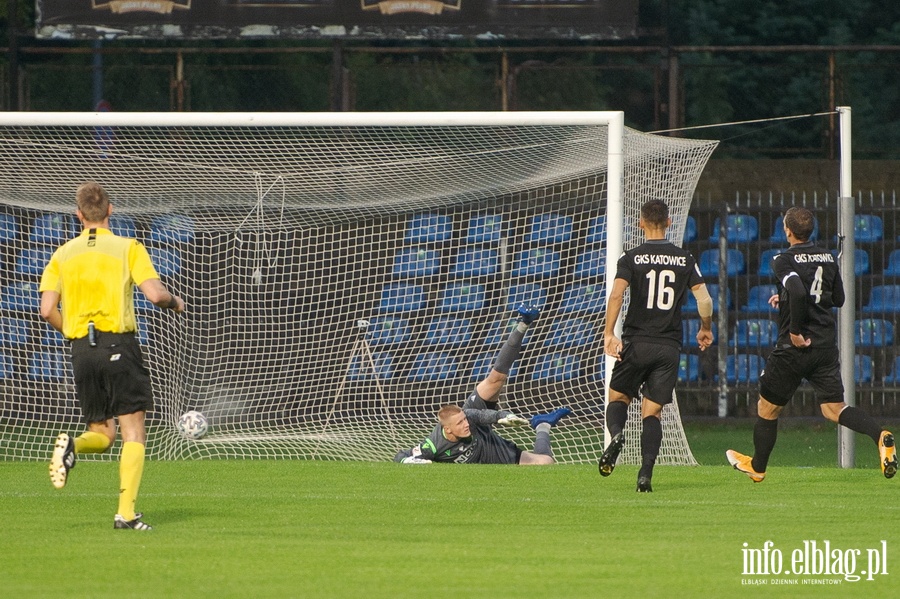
812, 562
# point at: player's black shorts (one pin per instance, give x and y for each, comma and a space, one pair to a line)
111, 379
786, 368
648, 368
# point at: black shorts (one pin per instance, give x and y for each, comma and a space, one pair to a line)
650, 369
786, 368
111, 379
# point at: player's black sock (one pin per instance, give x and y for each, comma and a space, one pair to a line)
857, 420
616, 415
651, 439
510, 351
765, 433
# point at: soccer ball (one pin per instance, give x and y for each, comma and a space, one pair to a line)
193, 425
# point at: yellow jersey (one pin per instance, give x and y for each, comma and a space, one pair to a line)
95, 274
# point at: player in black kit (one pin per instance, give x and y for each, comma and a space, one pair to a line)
809, 286
659, 274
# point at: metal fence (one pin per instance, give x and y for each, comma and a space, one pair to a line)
753, 234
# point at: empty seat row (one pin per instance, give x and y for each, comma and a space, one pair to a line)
32, 260
487, 228
744, 228
708, 262
55, 228
763, 333
412, 262
746, 368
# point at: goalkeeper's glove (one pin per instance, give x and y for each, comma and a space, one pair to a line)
512, 420
414, 460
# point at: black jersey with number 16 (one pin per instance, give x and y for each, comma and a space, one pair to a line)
659, 275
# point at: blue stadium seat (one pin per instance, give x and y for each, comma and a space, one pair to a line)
48, 366
172, 228
557, 367
569, 332
448, 331
868, 228
362, 369
9, 228
596, 232
530, 294
778, 235
123, 226
893, 377
754, 333
689, 329
893, 266
401, 297
483, 365
429, 228
742, 228
141, 304
143, 330
433, 366
51, 338
536, 262
499, 331
7, 367
416, 262
690, 303
690, 229
743, 368
14, 332
591, 263
873, 332
388, 330
758, 299
53, 229
709, 263
884, 299
583, 297
863, 371
167, 261
549, 228
765, 262
860, 264
689, 368
485, 228
474, 262
34, 259
21, 296
462, 296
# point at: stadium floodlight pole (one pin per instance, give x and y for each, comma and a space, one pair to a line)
846, 314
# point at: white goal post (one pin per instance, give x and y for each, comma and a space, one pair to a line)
345, 273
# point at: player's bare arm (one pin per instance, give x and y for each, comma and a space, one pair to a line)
705, 310
612, 345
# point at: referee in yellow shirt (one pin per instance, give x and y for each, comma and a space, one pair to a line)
92, 277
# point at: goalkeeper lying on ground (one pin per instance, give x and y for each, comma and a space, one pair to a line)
466, 435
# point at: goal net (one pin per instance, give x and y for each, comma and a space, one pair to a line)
345, 275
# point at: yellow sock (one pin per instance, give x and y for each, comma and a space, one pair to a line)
91, 442
131, 468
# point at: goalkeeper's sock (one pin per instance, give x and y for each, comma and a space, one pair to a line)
616, 416
542, 439
765, 433
651, 439
91, 442
131, 469
510, 351
857, 420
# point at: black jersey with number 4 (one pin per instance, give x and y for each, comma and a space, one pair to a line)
818, 271
659, 275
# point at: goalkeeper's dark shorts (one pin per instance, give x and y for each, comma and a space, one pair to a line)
110, 378
786, 368
650, 369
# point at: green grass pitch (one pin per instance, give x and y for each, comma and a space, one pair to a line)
275, 528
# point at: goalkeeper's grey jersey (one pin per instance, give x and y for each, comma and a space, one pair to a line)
484, 446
